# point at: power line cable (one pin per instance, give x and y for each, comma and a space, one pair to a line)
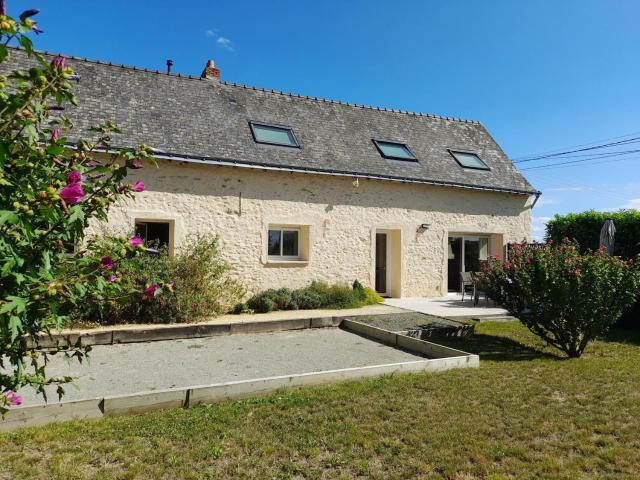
585, 149
543, 178
577, 146
573, 163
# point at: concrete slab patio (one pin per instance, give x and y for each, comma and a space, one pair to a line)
448, 306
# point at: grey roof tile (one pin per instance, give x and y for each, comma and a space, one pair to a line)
188, 117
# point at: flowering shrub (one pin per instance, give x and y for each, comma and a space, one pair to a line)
50, 188
153, 287
565, 297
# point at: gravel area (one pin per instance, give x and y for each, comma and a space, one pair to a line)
139, 367
397, 322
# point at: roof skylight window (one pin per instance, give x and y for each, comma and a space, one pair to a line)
394, 150
469, 160
273, 135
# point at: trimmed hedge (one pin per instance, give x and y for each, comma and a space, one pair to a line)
316, 295
584, 228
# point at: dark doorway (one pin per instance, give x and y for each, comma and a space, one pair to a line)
381, 264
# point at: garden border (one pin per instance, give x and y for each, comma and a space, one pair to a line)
162, 332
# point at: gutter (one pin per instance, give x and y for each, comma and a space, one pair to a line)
340, 173
537, 194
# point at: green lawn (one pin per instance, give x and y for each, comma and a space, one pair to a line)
524, 414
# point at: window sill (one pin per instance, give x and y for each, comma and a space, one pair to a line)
284, 263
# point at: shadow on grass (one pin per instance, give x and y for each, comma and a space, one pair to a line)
623, 334
491, 347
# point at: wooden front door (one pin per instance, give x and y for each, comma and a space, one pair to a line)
382, 259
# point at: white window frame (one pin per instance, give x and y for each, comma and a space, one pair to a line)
282, 257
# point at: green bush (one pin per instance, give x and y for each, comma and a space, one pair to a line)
585, 227
565, 297
316, 295
306, 299
272, 299
371, 297
191, 285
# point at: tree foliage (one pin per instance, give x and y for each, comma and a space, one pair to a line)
50, 189
565, 297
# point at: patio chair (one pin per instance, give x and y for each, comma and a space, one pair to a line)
479, 288
466, 284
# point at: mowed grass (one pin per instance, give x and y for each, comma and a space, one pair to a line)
525, 413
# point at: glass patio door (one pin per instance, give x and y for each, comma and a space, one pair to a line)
465, 254
454, 263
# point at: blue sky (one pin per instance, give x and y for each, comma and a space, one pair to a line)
540, 75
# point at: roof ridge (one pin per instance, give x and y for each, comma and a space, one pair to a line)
350, 104
258, 89
110, 64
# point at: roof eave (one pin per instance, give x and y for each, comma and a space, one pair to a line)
341, 173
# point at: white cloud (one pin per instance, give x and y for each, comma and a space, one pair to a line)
222, 42
633, 203
225, 43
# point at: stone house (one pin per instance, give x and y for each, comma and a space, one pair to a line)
301, 188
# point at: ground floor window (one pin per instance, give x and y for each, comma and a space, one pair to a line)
283, 243
155, 234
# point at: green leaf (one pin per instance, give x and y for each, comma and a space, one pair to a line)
14, 326
4, 53
26, 43
8, 265
77, 214
7, 216
15, 303
31, 133
55, 149
46, 260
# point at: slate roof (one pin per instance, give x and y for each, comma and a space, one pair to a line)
194, 119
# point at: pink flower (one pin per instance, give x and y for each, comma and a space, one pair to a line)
59, 62
136, 241
107, 263
567, 261
55, 135
136, 166
112, 278
74, 177
138, 187
13, 398
150, 291
72, 193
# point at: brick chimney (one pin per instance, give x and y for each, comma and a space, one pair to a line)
210, 71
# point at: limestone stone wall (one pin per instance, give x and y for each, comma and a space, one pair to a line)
339, 218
